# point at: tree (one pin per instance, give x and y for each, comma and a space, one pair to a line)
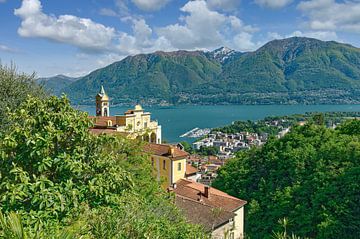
350, 127
55, 174
208, 151
319, 119
187, 146
311, 176
15, 87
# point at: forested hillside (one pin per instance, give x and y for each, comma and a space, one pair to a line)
311, 177
293, 70
56, 83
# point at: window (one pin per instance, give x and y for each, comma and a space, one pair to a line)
164, 164
179, 166
145, 124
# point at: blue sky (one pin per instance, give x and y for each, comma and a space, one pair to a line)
71, 37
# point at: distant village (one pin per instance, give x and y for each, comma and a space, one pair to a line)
227, 145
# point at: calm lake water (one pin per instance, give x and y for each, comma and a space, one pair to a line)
176, 120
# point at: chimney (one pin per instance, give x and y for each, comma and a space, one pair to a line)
171, 150
207, 191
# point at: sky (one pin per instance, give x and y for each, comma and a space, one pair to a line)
73, 38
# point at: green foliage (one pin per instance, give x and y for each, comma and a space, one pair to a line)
208, 151
284, 234
187, 147
294, 70
142, 218
249, 126
15, 87
11, 227
350, 127
56, 175
319, 119
56, 83
311, 176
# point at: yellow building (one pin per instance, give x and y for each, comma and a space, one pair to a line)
135, 123
197, 201
168, 161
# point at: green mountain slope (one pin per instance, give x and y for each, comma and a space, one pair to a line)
296, 64
293, 70
152, 77
57, 83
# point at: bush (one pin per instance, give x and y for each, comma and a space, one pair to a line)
56, 175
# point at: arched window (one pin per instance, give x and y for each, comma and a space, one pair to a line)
109, 123
153, 138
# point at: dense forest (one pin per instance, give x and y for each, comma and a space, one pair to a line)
310, 178
59, 181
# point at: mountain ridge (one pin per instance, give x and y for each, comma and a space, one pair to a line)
291, 70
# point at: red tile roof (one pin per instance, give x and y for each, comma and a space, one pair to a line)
199, 213
190, 170
196, 191
103, 120
165, 150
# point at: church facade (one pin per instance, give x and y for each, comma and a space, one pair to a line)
134, 123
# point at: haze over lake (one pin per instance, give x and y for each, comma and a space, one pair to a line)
176, 120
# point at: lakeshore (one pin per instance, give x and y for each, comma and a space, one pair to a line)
177, 120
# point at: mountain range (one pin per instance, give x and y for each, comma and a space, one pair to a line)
287, 71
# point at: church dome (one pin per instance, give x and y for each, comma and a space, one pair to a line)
138, 107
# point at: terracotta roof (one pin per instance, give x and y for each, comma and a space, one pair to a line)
215, 160
190, 170
103, 120
165, 150
196, 191
129, 112
194, 158
202, 214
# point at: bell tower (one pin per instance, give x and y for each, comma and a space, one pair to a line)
102, 103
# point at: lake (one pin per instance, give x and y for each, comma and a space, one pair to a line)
176, 120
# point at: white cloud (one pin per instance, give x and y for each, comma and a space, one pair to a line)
80, 32
321, 35
206, 28
226, 5
2, 1
108, 12
150, 5
141, 40
273, 3
245, 42
8, 49
329, 15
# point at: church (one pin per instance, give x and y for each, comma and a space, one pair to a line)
134, 123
